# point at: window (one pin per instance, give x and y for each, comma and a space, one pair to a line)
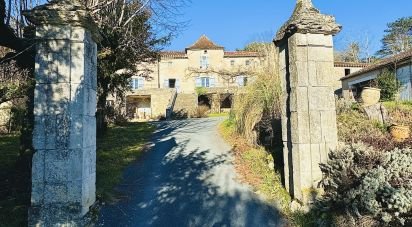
172, 83
232, 62
242, 81
204, 62
205, 81
347, 72
137, 83
247, 62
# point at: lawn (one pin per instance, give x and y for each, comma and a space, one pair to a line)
118, 148
13, 199
218, 115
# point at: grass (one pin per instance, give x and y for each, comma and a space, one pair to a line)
256, 167
13, 208
117, 149
218, 115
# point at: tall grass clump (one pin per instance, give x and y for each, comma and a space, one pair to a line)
257, 106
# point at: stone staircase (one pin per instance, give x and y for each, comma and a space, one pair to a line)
184, 105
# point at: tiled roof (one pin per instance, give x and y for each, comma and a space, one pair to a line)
382, 63
173, 54
242, 54
351, 64
204, 43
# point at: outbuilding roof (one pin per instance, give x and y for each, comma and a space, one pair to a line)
351, 64
382, 63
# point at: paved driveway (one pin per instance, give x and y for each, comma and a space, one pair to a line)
187, 179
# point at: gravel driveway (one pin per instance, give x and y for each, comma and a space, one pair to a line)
187, 178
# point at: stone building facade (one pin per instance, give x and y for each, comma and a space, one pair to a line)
174, 79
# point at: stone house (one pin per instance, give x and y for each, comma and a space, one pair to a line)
175, 79
179, 81
353, 83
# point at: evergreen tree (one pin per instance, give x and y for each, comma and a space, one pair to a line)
398, 37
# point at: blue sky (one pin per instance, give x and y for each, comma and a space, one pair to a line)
234, 23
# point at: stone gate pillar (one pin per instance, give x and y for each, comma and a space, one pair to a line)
305, 47
64, 162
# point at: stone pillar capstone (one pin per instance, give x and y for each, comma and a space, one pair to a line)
64, 137
306, 64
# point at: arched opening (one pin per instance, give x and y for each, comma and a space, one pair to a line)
204, 100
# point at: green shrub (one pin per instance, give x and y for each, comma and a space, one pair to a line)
388, 84
365, 182
201, 91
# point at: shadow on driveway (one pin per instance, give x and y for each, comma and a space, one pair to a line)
187, 179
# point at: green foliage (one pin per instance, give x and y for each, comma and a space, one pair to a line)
367, 182
13, 199
121, 50
398, 37
201, 91
388, 84
14, 81
118, 148
355, 126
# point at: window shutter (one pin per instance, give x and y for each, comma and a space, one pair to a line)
131, 83
239, 80
198, 82
212, 82
177, 84
166, 84
140, 82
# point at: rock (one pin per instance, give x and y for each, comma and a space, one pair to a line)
377, 112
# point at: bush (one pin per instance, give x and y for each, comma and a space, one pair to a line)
364, 182
388, 84
258, 105
201, 91
200, 112
354, 126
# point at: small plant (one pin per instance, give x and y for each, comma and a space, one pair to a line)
364, 182
201, 91
201, 112
388, 84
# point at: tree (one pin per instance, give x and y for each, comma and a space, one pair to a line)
397, 38
256, 46
388, 84
14, 82
350, 54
